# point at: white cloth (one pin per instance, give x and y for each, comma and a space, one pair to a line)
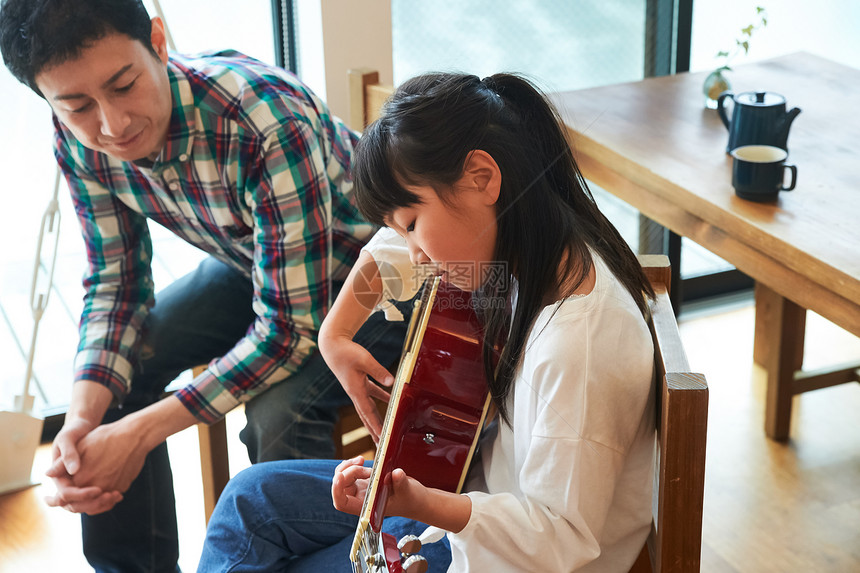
568, 486
401, 279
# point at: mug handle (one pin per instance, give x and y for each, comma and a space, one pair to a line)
793, 170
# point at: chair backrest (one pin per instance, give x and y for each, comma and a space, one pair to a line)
366, 96
675, 542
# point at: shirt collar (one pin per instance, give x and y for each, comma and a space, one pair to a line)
183, 120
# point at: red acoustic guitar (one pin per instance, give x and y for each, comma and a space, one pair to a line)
438, 405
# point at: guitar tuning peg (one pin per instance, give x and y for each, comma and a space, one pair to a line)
415, 564
409, 544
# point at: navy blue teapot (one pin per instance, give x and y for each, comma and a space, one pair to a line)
758, 118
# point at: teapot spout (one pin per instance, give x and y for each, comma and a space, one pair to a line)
784, 125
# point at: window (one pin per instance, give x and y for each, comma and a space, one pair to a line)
560, 45
571, 45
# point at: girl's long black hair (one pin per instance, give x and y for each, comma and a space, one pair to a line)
545, 211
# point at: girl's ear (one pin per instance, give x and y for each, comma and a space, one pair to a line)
481, 173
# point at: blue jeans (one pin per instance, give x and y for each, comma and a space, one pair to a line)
279, 516
199, 317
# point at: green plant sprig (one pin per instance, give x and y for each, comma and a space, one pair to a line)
742, 43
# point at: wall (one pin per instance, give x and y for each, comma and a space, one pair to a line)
356, 33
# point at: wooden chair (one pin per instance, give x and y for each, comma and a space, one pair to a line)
351, 438
214, 460
366, 96
675, 542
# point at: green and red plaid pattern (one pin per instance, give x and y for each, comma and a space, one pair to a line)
255, 171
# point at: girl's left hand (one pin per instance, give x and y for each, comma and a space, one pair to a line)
408, 497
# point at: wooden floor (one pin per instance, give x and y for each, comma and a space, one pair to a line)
769, 507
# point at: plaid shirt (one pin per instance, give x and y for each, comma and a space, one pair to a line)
254, 172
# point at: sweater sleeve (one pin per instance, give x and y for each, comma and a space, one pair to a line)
560, 480
558, 521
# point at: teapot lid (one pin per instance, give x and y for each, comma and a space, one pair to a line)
760, 99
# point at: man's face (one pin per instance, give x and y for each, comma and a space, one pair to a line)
115, 97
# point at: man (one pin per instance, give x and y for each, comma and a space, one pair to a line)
239, 159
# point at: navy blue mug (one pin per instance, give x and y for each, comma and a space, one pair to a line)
758, 173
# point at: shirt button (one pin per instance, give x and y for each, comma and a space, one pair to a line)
174, 186
183, 157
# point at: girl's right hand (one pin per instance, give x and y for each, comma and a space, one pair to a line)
354, 367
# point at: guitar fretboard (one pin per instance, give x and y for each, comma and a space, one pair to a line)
366, 540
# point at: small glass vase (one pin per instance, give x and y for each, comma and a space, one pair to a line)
715, 84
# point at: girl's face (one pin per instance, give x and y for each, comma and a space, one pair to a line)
458, 234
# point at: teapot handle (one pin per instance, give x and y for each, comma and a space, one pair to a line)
722, 110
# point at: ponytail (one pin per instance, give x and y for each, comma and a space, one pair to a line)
545, 210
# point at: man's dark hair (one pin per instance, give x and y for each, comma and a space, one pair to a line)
35, 34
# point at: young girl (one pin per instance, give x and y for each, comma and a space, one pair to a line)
476, 176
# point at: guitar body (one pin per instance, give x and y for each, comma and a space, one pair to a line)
438, 406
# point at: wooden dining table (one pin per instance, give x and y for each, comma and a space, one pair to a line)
653, 144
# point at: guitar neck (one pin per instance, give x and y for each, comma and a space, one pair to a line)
414, 337
438, 405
